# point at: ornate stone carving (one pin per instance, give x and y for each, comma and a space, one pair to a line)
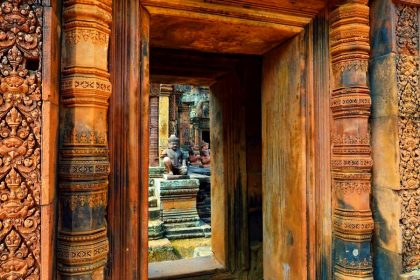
351, 160
20, 138
82, 247
407, 30
408, 74
351, 187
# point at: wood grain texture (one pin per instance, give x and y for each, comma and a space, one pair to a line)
128, 116
284, 162
322, 196
50, 90
143, 128
281, 12
229, 113
219, 34
244, 27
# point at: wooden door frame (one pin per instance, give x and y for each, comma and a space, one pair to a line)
128, 140
128, 122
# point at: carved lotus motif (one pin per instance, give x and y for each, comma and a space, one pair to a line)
13, 194
18, 23
17, 263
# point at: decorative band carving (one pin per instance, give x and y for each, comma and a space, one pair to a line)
351, 163
85, 236
92, 199
351, 160
356, 187
353, 225
84, 169
86, 253
83, 186
361, 268
365, 176
77, 35
88, 138
351, 102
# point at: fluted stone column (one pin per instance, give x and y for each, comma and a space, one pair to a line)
351, 161
82, 246
154, 125
165, 92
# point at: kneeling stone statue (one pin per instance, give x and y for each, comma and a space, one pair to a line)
173, 158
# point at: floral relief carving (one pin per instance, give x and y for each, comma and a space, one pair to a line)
92, 137
75, 36
407, 30
20, 138
351, 187
408, 73
408, 83
91, 199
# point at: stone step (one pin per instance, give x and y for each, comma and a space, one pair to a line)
153, 202
155, 230
180, 216
189, 232
206, 220
154, 213
184, 225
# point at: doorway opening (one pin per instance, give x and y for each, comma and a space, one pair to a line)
271, 70
211, 108
179, 225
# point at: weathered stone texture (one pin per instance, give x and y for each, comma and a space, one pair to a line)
395, 134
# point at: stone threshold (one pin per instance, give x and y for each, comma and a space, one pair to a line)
184, 268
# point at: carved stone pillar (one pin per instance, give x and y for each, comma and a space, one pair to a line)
165, 92
20, 139
82, 246
173, 114
154, 125
351, 155
184, 125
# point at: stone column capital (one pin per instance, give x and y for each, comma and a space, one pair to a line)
166, 89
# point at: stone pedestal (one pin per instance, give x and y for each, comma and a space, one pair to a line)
178, 200
204, 197
155, 225
161, 250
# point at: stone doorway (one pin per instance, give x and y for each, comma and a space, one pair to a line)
238, 58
